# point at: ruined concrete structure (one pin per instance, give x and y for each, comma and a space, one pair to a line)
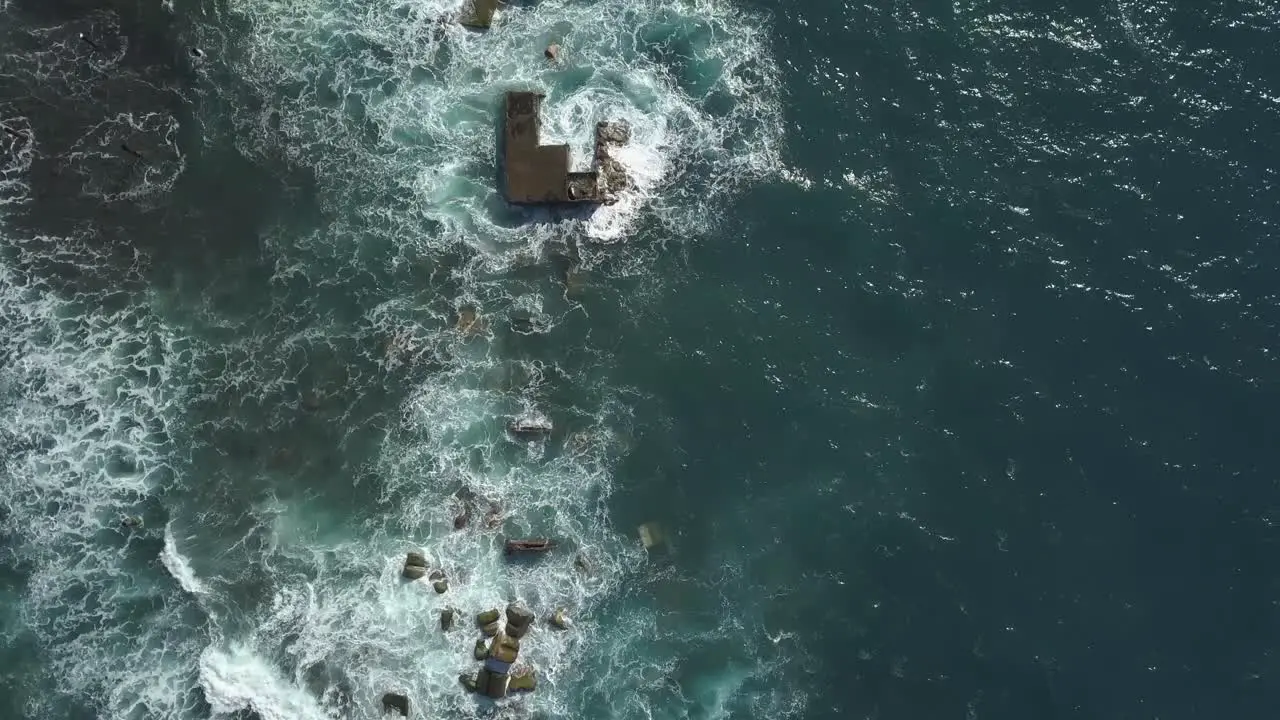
534, 173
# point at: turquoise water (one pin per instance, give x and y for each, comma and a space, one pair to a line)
935, 338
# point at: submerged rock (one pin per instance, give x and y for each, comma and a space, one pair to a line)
446, 618
560, 620
552, 52
397, 703
468, 681
131, 522
441, 586
530, 428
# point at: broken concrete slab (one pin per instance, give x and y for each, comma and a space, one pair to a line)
535, 173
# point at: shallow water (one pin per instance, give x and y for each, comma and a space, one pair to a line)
935, 339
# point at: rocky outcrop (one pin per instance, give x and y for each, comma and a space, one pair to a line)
415, 565
396, 703
611, 177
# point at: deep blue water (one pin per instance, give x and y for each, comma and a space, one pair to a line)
935, 338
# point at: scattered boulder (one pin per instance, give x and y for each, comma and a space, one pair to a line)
481, 650
518, 614
468, 681
436, 574
488, 616
441, 586
552, 52
395, 702
415, 565
496, 684
446, 618
491, 629
131, 522
523, 679
462, 519
560, 619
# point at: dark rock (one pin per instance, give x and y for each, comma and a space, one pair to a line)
446, 618
491, 629
441, 586
580, 563
131, 522
481, 650
552, 52
519, 615
488, 616
414, 572
395, 702
436, 574
462, 519
496, 687
417, 559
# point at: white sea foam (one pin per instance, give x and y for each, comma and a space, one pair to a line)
236, 679
178, 566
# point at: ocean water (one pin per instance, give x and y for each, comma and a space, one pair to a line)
935, 337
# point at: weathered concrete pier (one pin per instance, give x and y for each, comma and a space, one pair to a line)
535, 174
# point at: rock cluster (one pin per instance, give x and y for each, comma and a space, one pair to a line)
499, 672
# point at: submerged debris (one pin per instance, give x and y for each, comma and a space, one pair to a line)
529, 545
